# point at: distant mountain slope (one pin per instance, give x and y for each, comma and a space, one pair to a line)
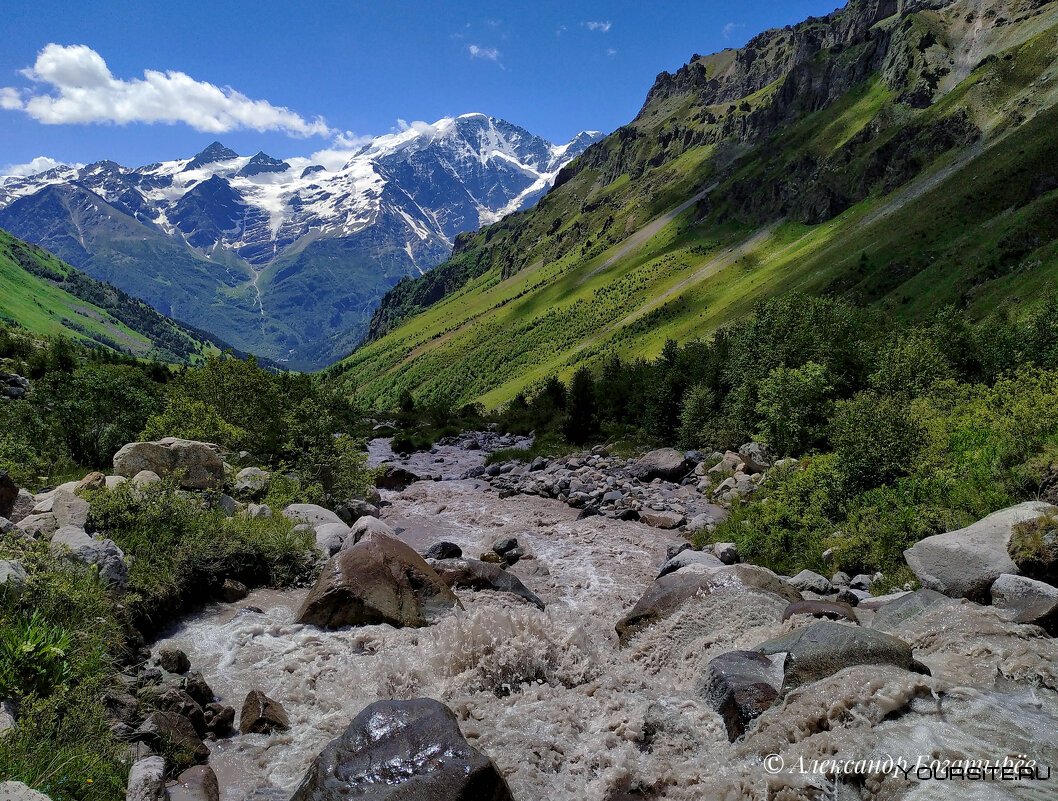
286, 259
897, 153
45, 296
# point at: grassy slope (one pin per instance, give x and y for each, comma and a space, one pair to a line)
41, 301
975, 227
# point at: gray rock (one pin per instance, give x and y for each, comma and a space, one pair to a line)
145, 478
258, 511
69, 510
8, 721
330, 537
755, 456
443, 550
727, 552
964, 563
501, 546
689, 557
22, 507
197, 783
13, 575
613, 496
824, 648
664, 519
1025, 600
147, 780
173, 660
832, 610
367, 525
477, 575
162, 729
310, 513
252, 482
232, 591
861, 581
228, 505
74, 544
261, 714
377, 580
380, 756
113, 482
809, 581
18, 791
841, 579
39, 526
876, 602
667, 464
741, 685
196, 465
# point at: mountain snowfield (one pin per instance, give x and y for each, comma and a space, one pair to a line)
286, 258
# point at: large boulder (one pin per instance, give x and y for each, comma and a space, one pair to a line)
22, 507
476, 575
664, 463
69, 510
896, 614
75, 545
1025, 600
146, 780
18, 791
740, 685
252, 482
330, 537
403, 751
367, 525
310, 513
13, 576
392, 477
261, 714
174, 734
755, 456
824, 648
964, 563
197, 783
810, 581
196, 465
38, 526
378, 580
688, 557
669, 592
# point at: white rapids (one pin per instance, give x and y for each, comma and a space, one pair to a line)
568, 715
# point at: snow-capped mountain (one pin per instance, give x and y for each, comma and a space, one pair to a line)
285, 258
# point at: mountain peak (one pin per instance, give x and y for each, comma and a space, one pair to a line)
213, 152
261, 162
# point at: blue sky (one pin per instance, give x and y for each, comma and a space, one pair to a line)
294, 78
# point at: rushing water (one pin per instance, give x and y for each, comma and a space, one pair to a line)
569, 715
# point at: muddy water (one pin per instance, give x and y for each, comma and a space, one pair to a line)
568, 715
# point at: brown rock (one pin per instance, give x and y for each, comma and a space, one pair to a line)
261, 714
833, 610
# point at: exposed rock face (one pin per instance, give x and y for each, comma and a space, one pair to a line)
197, 465
824, 648
378, 580
664, 463
740, 685
896, 613
1025, 600
964, 563
671, 591
475, 575
147, 780
261, 714
403, 750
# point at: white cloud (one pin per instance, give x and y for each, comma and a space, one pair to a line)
610, 51
487, 53
728, 30
39, 164
601, 27
561, 29
83, 90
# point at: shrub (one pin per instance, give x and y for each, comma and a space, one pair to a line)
875, 440
34, 657
794, 404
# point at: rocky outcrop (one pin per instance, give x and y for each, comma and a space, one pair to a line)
403, 750
964, 563
195, 465
378, 580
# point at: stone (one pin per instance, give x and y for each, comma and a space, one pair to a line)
689, 557
228, 505
196, 465
219, 718
353, 510
367, 525
841, 579
13, 576
18, 791
8, 720
861, 581
395, 478
173, 660
1025, 600
330, 537
195, 686
232, 591
727, 552
197, 783
501, 546
476, 575
310, 513
259, 511
824, 648
809, 581
491, 557
443, 550
380, 756
378, 580
964, 563
514, 555
833, 610
673, 550
755, 456
75, 545
38, 526
113, 482
21, 508
93, 482
176, 700
261, 714
664, 520
667, 464
741, 685
876, 602
174, 733
252, 482
1034, 548
145, 478
668, 593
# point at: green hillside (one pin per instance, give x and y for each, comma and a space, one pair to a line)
902, 160
44, 295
